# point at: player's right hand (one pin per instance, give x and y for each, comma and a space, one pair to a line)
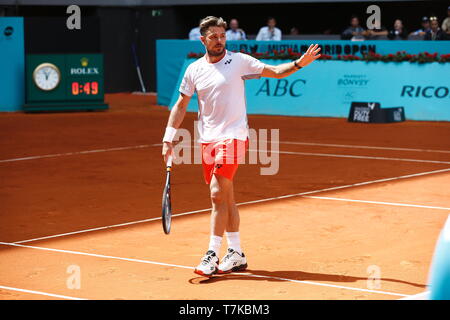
167, 150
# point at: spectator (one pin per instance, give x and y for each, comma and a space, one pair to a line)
425, 27
354, 31
270, 32
375, 34
294, 31
398, 32
446, 23
435, 33
194, 34
234, 33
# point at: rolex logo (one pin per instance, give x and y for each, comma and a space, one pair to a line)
84, 62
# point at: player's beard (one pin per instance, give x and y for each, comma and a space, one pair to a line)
216, 53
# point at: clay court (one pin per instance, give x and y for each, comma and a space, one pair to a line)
84, 189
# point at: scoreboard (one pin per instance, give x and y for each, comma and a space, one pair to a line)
58, 82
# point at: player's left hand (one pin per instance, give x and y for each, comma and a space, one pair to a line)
309, 56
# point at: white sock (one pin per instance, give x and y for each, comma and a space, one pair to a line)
214, 244
234, 241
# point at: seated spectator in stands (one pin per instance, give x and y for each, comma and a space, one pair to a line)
398, 32
446, 24
435, 33
294, 31
354, 31
234, 33
375, 34
425, 27
194, 34
270, 32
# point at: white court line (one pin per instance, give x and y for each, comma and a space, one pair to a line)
280, 152
109, 227
420, 296
379, 202
81, 152
344, 146
348, 146
348, 186
345, 156
241, 203
192, 268
353, 156
361, 147
41, 293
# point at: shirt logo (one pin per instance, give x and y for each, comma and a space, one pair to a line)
228, 61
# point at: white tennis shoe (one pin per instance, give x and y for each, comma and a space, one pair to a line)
208, 265
233, 262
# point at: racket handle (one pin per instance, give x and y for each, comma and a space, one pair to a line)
169, 161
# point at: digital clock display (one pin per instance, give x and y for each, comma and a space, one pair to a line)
64, 82
86, 88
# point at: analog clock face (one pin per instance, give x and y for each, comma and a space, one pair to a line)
46, 76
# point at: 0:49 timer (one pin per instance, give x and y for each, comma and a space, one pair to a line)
87, 88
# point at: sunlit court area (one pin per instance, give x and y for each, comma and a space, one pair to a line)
341, 191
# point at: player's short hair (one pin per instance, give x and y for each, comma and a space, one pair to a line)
211, 21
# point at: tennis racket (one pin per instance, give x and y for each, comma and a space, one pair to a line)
166, 203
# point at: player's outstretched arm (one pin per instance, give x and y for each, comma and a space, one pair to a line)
175, 119
286, 69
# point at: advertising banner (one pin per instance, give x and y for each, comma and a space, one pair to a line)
170, 54
327, 89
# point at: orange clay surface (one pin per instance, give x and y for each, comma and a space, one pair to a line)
311, 244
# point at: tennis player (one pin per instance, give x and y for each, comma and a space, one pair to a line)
218, 78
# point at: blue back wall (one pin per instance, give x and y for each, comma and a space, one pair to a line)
171, 54
12, 64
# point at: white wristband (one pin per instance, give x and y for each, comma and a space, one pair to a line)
169, 134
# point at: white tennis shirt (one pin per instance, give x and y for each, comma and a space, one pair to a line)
222, 111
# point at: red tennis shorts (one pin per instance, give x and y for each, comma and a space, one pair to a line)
223, 158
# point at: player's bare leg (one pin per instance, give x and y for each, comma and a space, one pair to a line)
220, 188
235, 259
233, 213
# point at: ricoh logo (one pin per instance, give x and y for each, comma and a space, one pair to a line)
81, 71
425, 92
